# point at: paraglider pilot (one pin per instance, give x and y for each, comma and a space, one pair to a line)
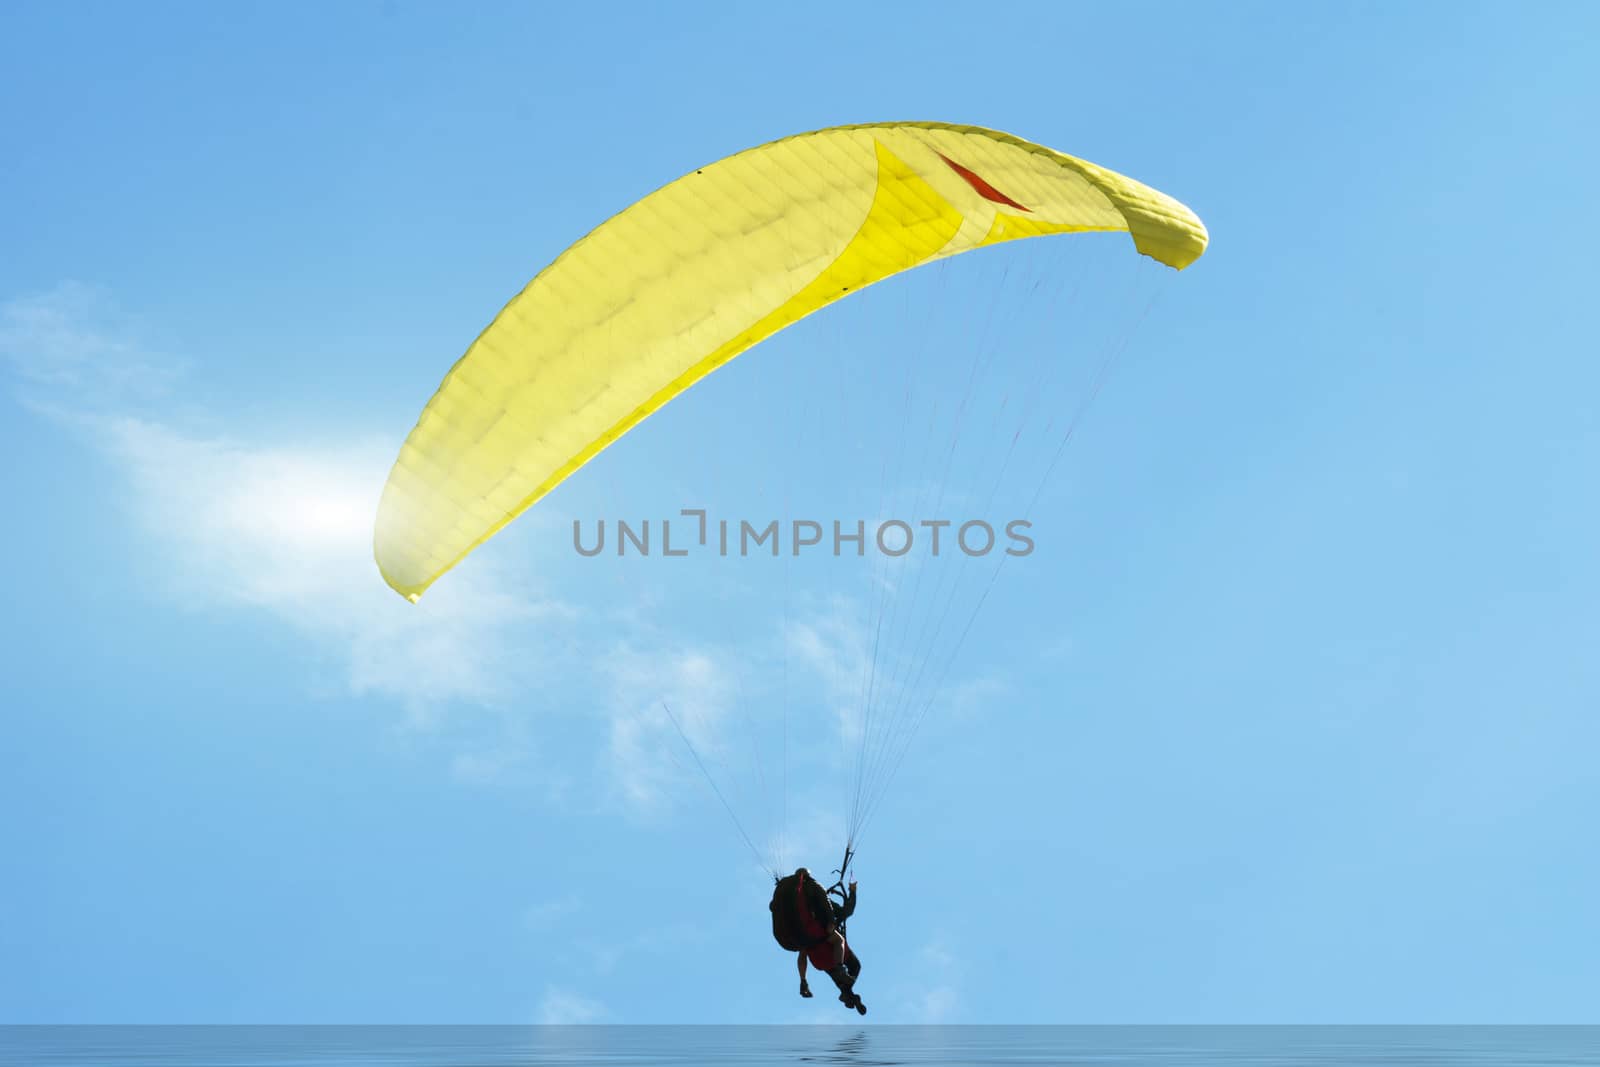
807, 921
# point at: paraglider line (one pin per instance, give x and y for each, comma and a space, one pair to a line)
713, 784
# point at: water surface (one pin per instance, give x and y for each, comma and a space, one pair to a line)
922, 1046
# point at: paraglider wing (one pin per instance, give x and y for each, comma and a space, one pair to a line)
676, 285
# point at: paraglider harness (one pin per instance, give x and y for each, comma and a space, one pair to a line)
791, 905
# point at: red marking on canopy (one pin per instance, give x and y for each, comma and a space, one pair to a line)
985, 190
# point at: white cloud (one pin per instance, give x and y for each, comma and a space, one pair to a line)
937, 995
781, 777
831, 644
73, 339
284, 528
561, 1007
937, 1004
653, 942
287, 531
648, 759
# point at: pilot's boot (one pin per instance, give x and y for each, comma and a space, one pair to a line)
846, 984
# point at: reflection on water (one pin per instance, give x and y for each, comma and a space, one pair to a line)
758, 1046
852, 1049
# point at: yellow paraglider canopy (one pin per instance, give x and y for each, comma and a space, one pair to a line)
676, 285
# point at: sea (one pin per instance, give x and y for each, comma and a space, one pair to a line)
735, 1046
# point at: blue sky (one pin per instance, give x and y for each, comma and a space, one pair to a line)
1290, 718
